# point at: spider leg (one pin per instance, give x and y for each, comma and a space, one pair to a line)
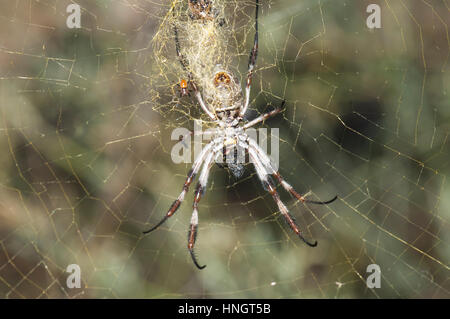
264, 117
181, 58
191, 175
183, 138
184, 64
301, 198
200, 100
267, 163
268, 185
199, 191
251, 63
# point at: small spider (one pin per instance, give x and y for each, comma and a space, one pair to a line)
226, 107
184, 91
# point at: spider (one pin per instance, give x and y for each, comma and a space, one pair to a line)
183, 88
227, 109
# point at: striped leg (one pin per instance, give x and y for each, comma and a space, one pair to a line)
301, 198
200, 190
181, 58
268, 185
191, 175
263, 117
265, 160
251, 63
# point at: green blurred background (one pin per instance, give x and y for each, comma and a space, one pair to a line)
86, 117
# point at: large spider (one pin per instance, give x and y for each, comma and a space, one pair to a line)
226, 108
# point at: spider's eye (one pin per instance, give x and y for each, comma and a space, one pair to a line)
221, 78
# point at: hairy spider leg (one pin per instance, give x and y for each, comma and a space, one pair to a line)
206, 133
181, 58
268, 185
184, 64
199, 191
191, 175
264, 116
267, 163
251, 63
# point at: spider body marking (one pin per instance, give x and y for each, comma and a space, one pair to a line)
226, 104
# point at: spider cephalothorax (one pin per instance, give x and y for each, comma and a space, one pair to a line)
226, 105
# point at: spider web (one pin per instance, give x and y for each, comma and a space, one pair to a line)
86, 119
